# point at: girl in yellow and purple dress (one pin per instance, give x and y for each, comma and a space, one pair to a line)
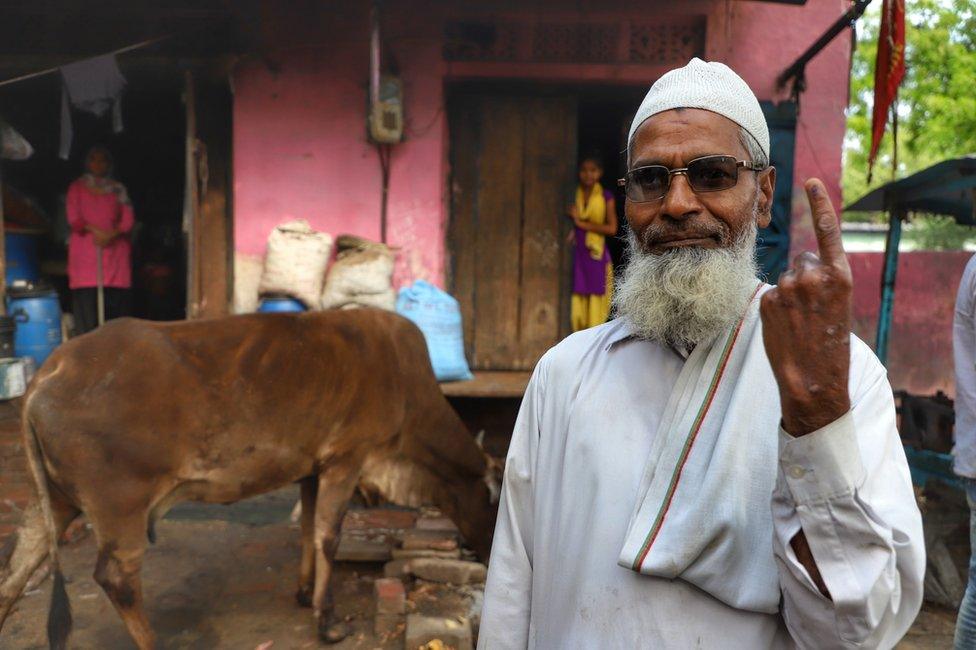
595, 217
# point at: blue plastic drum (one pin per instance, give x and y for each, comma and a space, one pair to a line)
273, 304
38, 316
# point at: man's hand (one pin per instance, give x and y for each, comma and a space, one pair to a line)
806, 326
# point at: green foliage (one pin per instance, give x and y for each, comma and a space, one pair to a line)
938, 233
936, 102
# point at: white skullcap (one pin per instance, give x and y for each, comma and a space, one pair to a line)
709, 85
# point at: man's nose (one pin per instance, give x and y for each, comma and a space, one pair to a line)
680, 202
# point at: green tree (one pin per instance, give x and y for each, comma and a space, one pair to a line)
936, 102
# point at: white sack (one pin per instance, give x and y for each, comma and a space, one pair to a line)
296, 261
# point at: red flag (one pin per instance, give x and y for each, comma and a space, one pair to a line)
889, 69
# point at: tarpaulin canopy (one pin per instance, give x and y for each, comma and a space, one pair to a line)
944, 188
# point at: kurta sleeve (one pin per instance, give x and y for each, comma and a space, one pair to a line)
73, 208
127, 219
508, 591
848, 487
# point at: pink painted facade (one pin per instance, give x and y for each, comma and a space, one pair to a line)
920, 346
300, 149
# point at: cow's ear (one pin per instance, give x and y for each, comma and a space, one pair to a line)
480, 439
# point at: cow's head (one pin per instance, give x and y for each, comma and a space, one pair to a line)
494, 469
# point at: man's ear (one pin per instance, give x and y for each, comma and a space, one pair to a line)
767, 186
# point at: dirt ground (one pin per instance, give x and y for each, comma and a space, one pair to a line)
224, 577
219, 577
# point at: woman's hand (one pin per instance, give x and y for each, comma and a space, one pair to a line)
573, 213
102, 237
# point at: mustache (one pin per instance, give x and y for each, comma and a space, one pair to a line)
658, 233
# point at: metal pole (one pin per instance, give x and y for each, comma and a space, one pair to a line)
3, 257
797, 68
888, 286
100, 278
894, 136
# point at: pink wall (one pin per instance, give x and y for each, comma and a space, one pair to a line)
920, 344
299, 136
300, 148
765, 39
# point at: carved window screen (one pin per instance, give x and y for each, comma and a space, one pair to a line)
666, 43
575, 42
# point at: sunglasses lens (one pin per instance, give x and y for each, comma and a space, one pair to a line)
647, 183
713, 173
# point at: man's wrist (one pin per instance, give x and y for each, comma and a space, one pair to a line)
806, 415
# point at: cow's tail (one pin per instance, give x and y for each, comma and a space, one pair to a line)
59, 616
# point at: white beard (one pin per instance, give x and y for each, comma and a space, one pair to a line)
685, 296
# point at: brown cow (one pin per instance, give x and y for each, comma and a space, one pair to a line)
124, 422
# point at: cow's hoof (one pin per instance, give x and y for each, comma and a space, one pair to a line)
333, 632
304, 596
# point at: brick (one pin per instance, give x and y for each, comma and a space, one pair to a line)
6, 530
442, 524
379, 518
20, 491
387, 624
452, 632
475, 606
9, 507
433, 540
390, 596
458, 572
409, 554
357, 549
398, 569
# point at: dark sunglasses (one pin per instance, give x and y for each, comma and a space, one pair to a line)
706, 174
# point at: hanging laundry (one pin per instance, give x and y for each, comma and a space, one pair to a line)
13, 146
93, 85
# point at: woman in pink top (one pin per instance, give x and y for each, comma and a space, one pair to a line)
101, 218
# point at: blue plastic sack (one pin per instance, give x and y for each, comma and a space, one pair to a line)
438, 316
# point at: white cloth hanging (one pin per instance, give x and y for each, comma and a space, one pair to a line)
94, 85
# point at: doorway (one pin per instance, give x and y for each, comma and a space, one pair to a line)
149, 160
514, 153
605, 114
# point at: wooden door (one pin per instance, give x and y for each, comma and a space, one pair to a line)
513, 160
774, 247
207, 219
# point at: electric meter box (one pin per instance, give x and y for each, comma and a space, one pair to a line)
386, 115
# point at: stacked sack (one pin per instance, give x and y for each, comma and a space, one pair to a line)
295, 262
361, 276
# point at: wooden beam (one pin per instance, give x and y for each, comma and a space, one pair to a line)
191, 202
214, 244
3, 248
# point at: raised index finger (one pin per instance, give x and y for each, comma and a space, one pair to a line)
825, 225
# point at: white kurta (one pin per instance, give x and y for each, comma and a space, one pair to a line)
964, 355
572, 477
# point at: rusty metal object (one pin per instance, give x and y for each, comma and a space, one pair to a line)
926, 421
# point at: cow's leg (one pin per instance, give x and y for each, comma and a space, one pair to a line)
306, 576
336, 486
29, 548
118, 569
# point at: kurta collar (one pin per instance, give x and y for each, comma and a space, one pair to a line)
624, 332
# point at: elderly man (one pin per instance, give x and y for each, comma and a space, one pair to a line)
719, 466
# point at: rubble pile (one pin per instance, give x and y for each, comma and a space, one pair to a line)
432, 590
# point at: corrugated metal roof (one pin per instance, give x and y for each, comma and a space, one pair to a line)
944, 188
